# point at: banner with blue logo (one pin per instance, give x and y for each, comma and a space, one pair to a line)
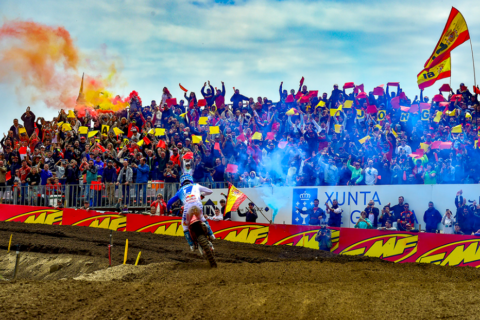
302, 202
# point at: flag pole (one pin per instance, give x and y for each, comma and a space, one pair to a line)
473, 61
260, 209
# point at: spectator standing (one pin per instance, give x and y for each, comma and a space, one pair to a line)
372, 213
386, 215
448, 222
371, 174
109, 178
407, 219
125, 178
250, 214
159, 206
335, 214
432, 218
398, 208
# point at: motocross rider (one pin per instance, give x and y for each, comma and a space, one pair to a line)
190, 195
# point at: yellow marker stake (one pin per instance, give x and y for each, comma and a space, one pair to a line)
126, 251
9, 243
138, 257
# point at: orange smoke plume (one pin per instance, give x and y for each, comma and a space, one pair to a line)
43, 63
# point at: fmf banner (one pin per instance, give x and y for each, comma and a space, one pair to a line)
394, 246
399, 247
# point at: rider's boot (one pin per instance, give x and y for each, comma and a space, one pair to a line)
189, 240
210, 232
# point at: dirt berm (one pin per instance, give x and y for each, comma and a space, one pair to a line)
64, 274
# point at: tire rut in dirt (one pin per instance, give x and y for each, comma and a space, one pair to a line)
202, 240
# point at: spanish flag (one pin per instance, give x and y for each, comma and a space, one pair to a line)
454, 34
427, 77
234, 198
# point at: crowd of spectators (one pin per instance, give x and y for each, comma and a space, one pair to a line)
401, 217
299, 138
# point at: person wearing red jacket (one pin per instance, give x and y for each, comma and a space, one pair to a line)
158, 207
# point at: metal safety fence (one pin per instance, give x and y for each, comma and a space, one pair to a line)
109, 196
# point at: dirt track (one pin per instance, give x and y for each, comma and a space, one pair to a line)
252, 281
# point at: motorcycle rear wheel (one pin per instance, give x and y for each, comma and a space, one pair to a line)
203, 242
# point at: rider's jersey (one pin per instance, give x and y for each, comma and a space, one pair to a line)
190, 193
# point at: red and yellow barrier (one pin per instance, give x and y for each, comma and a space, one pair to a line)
399, 247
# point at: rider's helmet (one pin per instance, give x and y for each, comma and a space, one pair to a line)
186, 178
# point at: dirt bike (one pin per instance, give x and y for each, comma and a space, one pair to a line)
199, 233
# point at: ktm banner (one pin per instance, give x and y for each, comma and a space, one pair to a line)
440, 249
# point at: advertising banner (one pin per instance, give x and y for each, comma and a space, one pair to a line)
394, 246
83, 218
27, 214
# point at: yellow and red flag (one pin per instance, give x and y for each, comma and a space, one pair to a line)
427, 77
234, 198
454, 34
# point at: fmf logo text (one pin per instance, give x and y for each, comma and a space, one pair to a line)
113, 222
246, 233
391, 247
168, 227
51, 217
460, 253
307, 239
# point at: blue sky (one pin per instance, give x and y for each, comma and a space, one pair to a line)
251, 45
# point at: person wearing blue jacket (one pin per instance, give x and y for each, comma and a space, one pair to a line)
432, 218
142, 179
109, 177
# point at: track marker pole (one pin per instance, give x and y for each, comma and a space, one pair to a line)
138, 257
10, 243
126, 252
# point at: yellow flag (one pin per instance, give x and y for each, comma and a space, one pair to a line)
348, 104
183, 115
424, 146
378, 126
257, 136
70, 114
60, 124
151, 131
290, 112
438, 116
159, 132
333, 112
105, 129
394, 133
117, 131
468, 115
66, 127
457, 129
22, 130
140, 143
83, 130
338, 128
451, 113
203, 120
214, 130
364, 139
476, 144
320, 104
92, 133
196, 139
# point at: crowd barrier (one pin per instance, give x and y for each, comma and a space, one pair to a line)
398, 247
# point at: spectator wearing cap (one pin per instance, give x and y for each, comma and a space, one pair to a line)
109, 178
